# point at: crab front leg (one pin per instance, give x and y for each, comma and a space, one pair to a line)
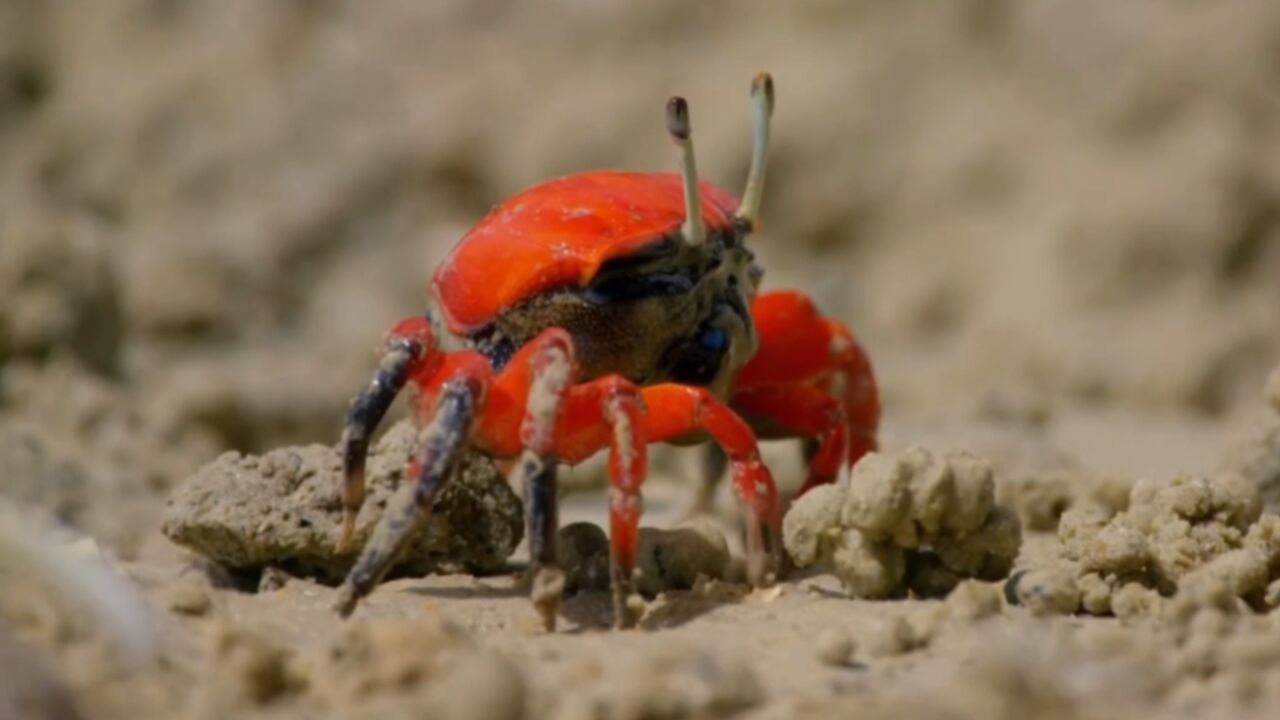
535, 411
611, 411
454, 387
540, 374
410, 352
809, 379
674, 411
806, 411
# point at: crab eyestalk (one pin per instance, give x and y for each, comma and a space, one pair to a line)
762, 110
678, 127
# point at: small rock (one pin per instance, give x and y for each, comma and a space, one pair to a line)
582, 549
283, 509
834, 647
674, 559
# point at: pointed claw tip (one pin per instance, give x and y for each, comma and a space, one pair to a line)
345, 604
678, 118
548, 619
546, 592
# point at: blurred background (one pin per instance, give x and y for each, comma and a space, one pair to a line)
211, 210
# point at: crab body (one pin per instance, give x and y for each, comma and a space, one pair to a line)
612, 310
600, 255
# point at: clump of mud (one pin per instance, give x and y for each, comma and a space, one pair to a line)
666, 559
282, 509
1192, 537
915, 521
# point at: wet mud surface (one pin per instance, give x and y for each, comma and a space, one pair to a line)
1055, 227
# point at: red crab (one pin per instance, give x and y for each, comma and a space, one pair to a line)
614, 309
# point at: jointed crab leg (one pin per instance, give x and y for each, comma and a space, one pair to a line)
809, 379
806, 411
607, 411
570, 422
674, 411
444, 437
859, 395
408, 345
551, 374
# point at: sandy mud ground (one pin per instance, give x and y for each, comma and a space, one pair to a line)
1055, 226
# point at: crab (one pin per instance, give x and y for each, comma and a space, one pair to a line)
613, 310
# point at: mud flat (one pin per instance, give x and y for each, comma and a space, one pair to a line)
1054, 226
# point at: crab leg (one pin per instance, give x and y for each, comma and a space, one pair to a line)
806, 411
809, 379
607, 412
569, 422
552, 371
859, 394
454, 409
410, 347
674, 411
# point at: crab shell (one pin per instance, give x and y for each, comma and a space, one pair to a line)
538, 260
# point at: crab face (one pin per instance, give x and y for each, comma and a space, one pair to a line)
684, 309
668, 312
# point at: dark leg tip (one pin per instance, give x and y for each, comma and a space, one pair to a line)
546, 594
348, 598
628, 608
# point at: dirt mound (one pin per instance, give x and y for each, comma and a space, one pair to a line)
915, 521
283, 510
1193, 537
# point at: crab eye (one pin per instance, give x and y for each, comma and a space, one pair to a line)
714, 339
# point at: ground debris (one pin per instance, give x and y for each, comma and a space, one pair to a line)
918, 520
282, 509
1195, 539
